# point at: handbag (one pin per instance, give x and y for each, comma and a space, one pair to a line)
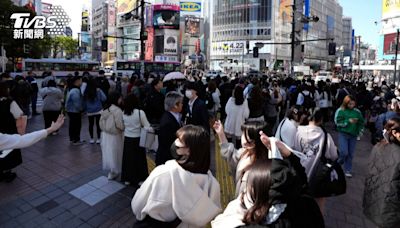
147, 136
328, 177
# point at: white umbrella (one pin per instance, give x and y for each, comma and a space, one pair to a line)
174, 75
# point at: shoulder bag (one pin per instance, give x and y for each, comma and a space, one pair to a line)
147, 135
328, 177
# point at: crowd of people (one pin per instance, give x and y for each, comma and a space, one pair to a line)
272, 132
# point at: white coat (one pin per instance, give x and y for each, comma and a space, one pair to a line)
170, 192
236, 116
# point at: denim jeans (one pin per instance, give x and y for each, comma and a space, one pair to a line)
347, 146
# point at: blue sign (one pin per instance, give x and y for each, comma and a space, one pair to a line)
306, 13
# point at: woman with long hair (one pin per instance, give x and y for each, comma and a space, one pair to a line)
237, 111
112, 126
256, 102
270, 200
350, 123
381, 201
134, 162
93, 100
182, 191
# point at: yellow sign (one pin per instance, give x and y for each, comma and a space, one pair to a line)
191, 6
390, 7
285, 10
124, 6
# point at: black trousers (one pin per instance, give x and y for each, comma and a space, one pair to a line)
94, 119
50, 116
34, 102
75, 124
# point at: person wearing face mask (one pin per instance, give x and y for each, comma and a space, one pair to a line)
196, 110
381, 200
112, 137
393, 111
271, 201
182, 192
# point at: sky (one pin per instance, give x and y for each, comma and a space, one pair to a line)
73, 8
364, 13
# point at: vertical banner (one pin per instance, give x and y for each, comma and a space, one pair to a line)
285, 10
149, 44
306, 13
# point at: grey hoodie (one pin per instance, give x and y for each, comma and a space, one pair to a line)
52, 98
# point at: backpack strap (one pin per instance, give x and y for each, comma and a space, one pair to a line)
280, 130
323, 158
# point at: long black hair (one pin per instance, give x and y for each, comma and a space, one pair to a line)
91, 90
259, 182
238, 95
131, 102
112, 99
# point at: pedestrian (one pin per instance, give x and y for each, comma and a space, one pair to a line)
93, 100
170, 123
124, 86
112, 83
323, 100
74, 107
183, 191
252, 149
306, 98
102, 82
272, 99
310, 140
350, 123
196, 110
154, 102
256, 103
287, 128
213, 101
12, 121
381, 200
272, 201
112, 138
22, 93
134, 161
35, 90
392, 112
52, 103
48, 75
237, 111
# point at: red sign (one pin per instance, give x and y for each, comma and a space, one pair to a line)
389, 44
149, 44
166, 7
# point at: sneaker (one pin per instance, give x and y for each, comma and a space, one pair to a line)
77, 143
98, 141
358, 138
348, 174
127, 183
112, 176
91, 141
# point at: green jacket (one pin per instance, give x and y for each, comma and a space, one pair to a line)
343, 124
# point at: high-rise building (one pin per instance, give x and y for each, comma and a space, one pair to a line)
103, 27
347, 37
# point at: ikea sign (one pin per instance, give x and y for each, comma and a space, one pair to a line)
190, 6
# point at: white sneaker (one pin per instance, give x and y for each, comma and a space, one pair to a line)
91, 141
98, 141
127, 183
348, 174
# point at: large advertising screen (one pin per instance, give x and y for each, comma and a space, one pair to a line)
166, 16
149, 44
192, 26
390, 8
389, 44
229, 48
285, 10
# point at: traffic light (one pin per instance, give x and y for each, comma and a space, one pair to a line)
255, 52
104, 45
332, 49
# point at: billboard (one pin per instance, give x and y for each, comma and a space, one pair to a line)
166, 16
389, 44
229, 48
170, 42
285, 10
192, 26
390, 8
190, 7
149, 44
124, 6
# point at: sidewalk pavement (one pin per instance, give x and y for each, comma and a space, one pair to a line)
60, 185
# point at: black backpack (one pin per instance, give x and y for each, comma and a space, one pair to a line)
308, 101
209, 101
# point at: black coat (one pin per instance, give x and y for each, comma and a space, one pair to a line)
199, 115
154, 106
381, 201
166, 136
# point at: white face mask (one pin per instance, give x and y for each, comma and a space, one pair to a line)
150, 80
397, 93
189, 94
385, 134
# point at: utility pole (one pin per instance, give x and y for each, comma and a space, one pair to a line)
395, 56
142, 47
292, 43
